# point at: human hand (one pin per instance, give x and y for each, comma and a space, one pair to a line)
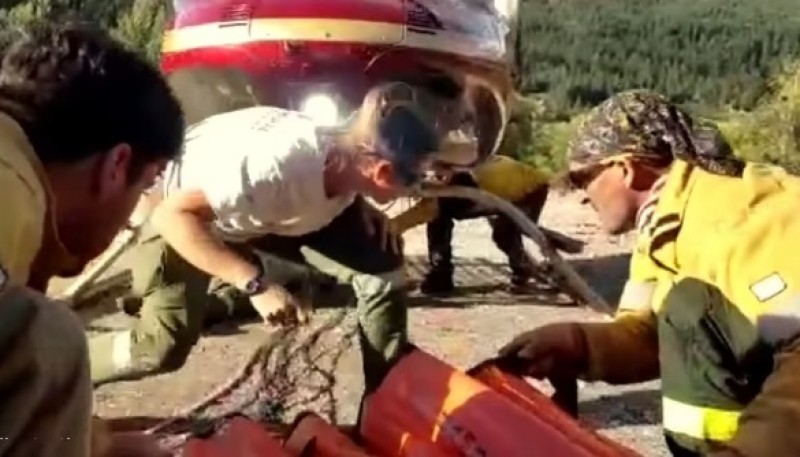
555, 351
279, 307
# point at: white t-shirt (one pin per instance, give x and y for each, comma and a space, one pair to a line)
261, 170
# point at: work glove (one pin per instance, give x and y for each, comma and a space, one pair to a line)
555, 352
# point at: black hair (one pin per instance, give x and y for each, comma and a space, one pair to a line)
76, 92
407, 140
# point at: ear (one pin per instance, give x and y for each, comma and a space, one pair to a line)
629, 172
383, 174
114, 169
639, 177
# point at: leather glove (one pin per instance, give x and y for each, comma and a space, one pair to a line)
554, 351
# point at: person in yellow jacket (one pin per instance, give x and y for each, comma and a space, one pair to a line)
85, 126
520, 183
712, 304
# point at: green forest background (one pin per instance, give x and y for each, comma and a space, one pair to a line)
736, 62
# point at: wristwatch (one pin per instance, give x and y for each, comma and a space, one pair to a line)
255, 285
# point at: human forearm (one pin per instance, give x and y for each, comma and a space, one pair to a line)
421, 213
190, 234
624, 351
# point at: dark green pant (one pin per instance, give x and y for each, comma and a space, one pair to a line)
176, 298
711, 359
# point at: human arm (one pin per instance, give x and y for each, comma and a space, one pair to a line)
768, 425
621, 351
423, 212
762, 278
624, 351
184, 219
24, 210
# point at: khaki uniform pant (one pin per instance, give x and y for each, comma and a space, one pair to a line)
176, 298
44, 378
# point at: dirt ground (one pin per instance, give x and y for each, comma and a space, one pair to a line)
462, 330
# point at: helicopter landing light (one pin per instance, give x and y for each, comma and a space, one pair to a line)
322, 109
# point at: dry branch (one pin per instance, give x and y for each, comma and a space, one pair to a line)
83, 282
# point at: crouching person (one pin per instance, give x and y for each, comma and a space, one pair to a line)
517, 182
711, 305
265, 180
85, 126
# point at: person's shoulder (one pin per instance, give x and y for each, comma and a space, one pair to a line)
18, 160
24, 203
275, 142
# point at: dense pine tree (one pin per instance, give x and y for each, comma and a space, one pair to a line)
708, 52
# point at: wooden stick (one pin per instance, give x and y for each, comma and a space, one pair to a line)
576, 286
97, 268
126, 239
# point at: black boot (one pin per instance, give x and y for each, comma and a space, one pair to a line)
439, 279
437, 282
538, 278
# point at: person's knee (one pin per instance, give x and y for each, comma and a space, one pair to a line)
170, 351
170, 324
148, 349
48, 341
379, 287
382, 317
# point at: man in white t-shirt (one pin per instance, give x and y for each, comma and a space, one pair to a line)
264, 180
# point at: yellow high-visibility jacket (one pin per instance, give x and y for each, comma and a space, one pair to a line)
740, 235
503, 176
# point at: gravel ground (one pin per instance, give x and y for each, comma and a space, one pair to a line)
462, 330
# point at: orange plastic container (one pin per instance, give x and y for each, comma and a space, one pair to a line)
535, 402
325, 440
384, 419
241, 438
432, 401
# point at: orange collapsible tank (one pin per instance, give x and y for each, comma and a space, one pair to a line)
432, 401
535, 402
242, 437
312, 436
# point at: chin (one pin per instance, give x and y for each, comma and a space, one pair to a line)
72, 268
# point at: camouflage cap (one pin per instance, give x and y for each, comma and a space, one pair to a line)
647, 125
